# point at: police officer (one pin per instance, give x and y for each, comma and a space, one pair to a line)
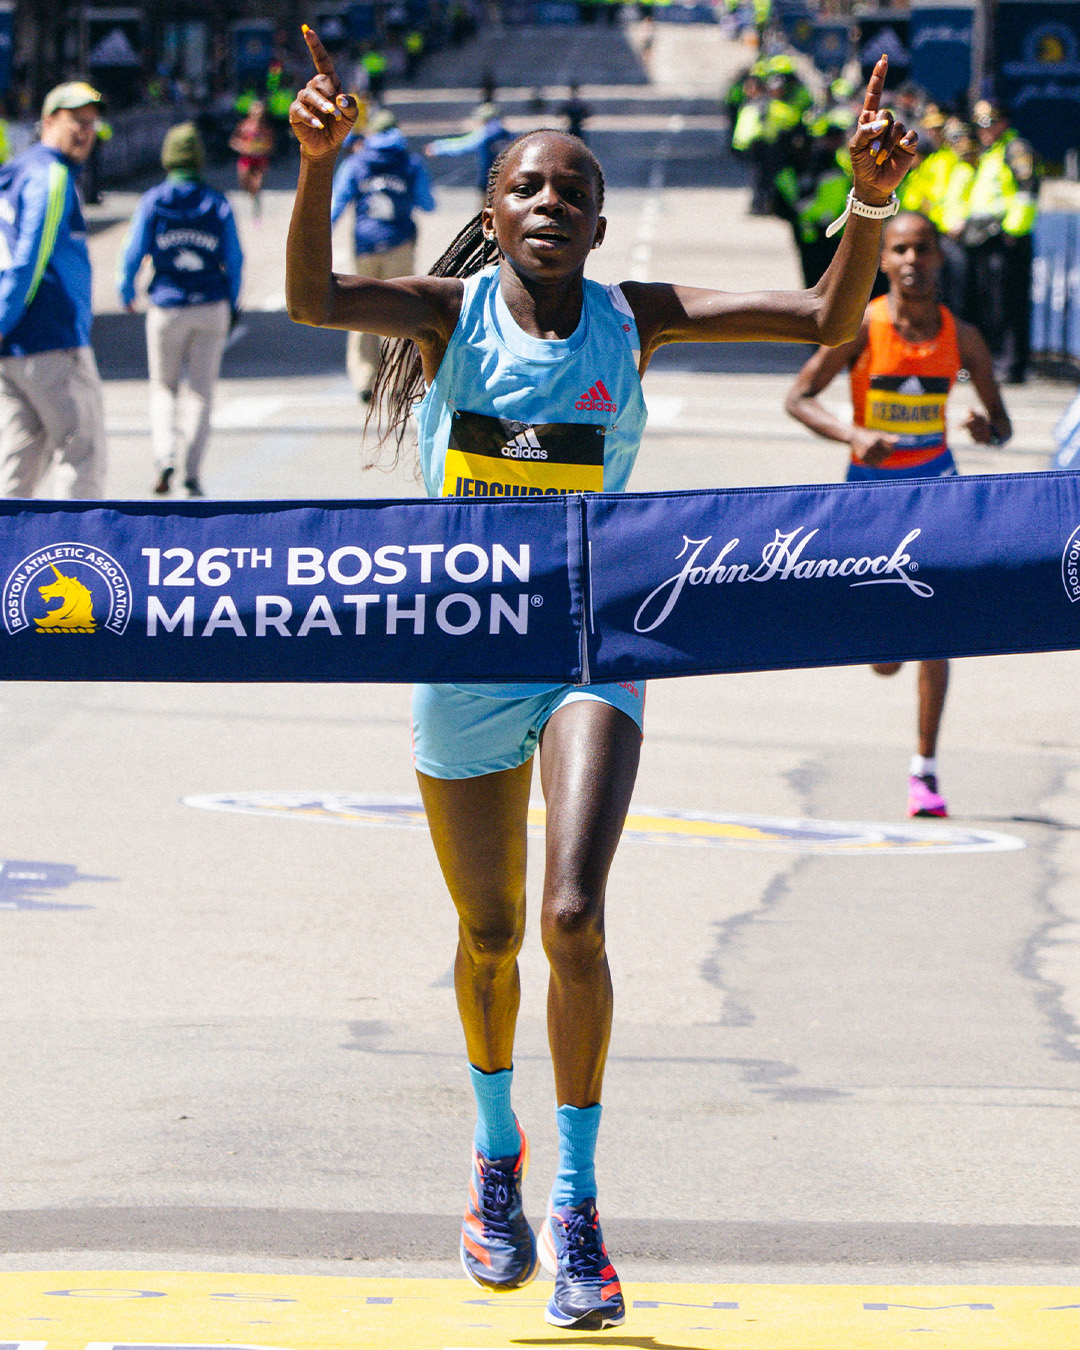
187, 230
1002, 207
811, 192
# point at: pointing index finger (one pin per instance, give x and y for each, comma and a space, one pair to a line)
875, 85
319, 54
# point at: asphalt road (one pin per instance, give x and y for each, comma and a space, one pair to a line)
229, 1039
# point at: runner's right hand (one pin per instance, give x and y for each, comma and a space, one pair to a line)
871, 447
321, 116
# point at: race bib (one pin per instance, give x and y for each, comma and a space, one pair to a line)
912, 407
496, 457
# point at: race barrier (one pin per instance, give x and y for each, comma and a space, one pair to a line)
573, 588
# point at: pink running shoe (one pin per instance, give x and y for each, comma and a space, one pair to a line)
924, 799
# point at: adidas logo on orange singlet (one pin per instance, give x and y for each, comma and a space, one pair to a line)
596, 400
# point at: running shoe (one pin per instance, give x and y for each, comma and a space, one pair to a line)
161, 487
193, 487
924, 799
587, 1294
498, 1249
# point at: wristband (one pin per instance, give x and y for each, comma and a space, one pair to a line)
855, 207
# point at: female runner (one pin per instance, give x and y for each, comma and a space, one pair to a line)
506, 335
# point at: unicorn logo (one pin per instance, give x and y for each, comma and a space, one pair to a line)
75, 611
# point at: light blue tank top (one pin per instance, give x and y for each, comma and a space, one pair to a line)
511, 415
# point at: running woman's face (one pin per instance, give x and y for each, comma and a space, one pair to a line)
545, 212
911, 257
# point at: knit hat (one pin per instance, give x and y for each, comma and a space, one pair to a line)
182, 149
74, 94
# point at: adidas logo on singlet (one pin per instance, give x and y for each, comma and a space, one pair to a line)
525, 445
912, 385
596, 400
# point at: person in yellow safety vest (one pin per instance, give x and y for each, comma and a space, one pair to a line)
923, 189
762, 14
811, 192
782, 80
836, 110
5, 143
278, 97
749, 141
950, 212
414, 50
1002, 207
374, 65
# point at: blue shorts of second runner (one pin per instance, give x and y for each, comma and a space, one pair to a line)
461, 733
941, 466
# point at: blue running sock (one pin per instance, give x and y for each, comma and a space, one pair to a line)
496, 1129
575, 1180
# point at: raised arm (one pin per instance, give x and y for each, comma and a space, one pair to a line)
422, 308
829, 313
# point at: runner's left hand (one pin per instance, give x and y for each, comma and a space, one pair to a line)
882, 149
979, 428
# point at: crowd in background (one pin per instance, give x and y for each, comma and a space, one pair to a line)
975, 178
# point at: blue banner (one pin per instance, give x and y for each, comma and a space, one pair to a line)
830, 45
940, 41
565, 589
798, 23
253, 50
358, 591
1038, 46
885, 30
771, 578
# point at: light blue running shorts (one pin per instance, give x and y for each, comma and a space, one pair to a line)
459, 732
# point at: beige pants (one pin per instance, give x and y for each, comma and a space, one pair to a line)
51, 410
362, 353
191, 339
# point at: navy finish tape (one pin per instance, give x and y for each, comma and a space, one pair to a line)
350, 591
772, 578
561, 589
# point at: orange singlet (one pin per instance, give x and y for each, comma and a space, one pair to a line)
902, 387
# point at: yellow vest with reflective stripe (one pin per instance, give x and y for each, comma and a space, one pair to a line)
995, 191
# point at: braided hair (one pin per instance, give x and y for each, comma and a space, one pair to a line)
399, 380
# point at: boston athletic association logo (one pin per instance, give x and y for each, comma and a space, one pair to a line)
1070, 566
67, 588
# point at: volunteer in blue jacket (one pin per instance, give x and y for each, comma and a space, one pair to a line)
386, 183
50, 390
187, 230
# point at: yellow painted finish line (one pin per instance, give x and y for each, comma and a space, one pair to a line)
155, 1310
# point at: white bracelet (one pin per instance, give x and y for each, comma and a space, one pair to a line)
855, 207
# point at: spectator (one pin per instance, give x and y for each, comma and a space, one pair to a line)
50, 390
486, 140
374, 64
576, 111
1002, 206
187, 230
385, 183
